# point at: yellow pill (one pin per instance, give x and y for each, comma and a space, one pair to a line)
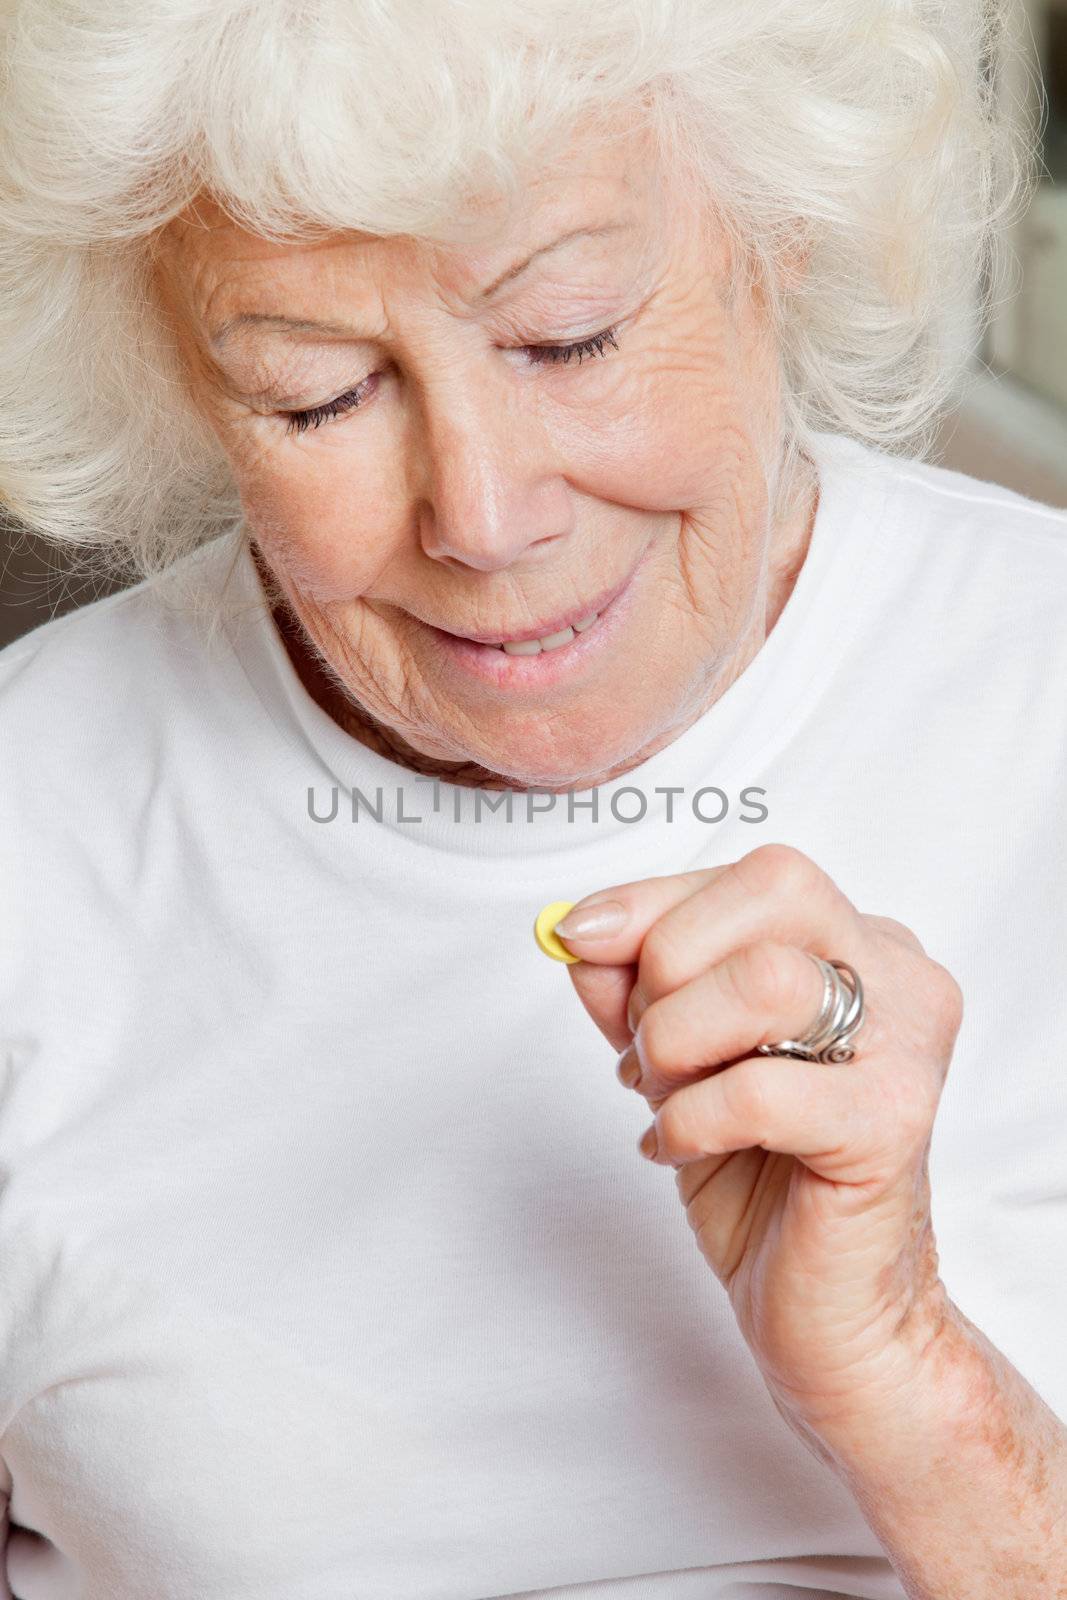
546, 938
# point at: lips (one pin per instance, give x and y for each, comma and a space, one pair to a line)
551, 641
550, 634
520, 666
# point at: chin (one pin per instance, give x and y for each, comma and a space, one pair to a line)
558, 761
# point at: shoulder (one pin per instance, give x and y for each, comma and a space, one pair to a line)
954, 550
976, 521
60, 652
109, 708
82, 681
115, 722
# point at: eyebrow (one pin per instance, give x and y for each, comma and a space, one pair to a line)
340, 330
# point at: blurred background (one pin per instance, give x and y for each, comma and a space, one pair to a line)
1010, 425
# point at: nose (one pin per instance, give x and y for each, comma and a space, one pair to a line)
491, 495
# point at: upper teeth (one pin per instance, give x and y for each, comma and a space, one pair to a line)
551, 641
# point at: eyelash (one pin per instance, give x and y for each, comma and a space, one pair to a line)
542, 354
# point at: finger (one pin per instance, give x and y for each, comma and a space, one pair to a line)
761, 994
774, 894
604, 989
829, 1117
620, 916
676, 927
604, 992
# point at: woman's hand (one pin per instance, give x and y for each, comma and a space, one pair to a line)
806, 1184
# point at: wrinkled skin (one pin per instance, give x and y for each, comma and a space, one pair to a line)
805, 1184
482, 490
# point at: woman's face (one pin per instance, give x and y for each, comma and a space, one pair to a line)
427, 472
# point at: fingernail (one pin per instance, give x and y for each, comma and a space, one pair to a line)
635, 1008
598, 921
544, 931
648, 1142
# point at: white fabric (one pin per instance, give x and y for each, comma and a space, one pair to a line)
329, 1269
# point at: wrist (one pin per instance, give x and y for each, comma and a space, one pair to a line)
922, 1370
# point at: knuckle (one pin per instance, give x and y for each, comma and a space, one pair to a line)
654, 1041
766, 976
948, 999
660, 965
777, 869
680, 1124
745, 1096
897, 930
670, 1126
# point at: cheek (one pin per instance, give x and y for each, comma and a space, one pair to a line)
325, 523
673, 439
667, 428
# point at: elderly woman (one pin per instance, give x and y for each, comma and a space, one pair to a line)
512, 416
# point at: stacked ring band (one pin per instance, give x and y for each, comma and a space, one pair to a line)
840, 1016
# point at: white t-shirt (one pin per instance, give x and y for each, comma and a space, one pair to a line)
329, 1269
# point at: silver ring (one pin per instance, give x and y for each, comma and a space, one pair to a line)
840, 1017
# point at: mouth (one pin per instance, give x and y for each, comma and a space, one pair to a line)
551, 634
551, 652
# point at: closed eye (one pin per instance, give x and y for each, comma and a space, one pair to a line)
592, 346
539, 354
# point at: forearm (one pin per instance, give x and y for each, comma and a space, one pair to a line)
964, 1482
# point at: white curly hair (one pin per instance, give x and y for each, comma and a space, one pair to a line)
870, 130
